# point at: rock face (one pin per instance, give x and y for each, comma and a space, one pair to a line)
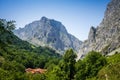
106, 37
48, 32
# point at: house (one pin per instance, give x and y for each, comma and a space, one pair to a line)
34, 71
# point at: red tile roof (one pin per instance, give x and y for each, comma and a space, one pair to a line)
37, 70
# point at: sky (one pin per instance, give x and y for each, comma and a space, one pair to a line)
76, 15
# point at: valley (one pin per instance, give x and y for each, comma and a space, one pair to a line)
45, 50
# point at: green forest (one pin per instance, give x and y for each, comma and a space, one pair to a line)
17, 55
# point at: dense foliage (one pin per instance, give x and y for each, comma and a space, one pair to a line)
90, 65
65, 70
17, 55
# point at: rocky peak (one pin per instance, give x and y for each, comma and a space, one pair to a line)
112, 14
44, 19
49, 32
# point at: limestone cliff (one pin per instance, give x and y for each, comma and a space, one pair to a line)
106, 37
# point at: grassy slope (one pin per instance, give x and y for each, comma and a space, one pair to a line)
112, 70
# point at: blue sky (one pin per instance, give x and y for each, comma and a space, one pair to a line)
77, 15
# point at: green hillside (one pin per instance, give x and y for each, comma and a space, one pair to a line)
16, 55
112, 70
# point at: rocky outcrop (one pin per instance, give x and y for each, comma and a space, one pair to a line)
92, 34
48, 32
106, 37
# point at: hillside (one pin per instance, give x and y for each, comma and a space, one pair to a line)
48, 32
16, 55
111, 70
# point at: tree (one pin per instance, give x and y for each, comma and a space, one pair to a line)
90, 65
94, 62
10, 25
2, 21
65, 70
80, 70
69, 60
56, 74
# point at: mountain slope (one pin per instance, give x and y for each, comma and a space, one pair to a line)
48, 32
9, 42
16, 55
106, 37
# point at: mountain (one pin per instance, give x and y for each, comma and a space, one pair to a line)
48, 32
106, 37
8, 41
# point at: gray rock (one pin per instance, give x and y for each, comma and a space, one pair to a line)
48, 32
92, 35
106, 37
